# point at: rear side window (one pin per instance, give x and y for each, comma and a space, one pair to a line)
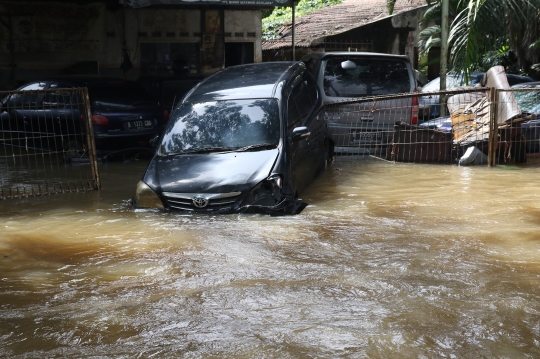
367, 77
61, 97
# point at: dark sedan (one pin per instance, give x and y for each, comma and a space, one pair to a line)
123, 115
248, 138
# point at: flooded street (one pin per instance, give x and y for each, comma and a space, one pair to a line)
387, 261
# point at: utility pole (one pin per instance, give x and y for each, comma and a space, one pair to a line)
292, 30
444, 53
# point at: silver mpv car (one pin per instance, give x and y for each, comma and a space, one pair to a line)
364, 127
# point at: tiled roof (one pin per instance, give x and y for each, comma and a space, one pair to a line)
333, 20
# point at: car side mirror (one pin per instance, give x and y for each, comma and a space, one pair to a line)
300, 133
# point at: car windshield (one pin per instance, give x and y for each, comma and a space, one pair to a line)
222, 125
452, 81
528, 101
121, 96
367, 77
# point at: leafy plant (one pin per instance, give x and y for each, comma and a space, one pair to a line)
484, 33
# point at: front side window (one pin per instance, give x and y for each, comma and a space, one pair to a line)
301, 101
26, 100
365, 77
230, 125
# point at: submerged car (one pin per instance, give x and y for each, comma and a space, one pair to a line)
429, 105
248, 138
361, 127
123, 115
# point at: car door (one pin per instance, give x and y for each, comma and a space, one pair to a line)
59, 114
21, 107
301, 113
314, 121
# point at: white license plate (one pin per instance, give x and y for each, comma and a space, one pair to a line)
139, 124
366, 136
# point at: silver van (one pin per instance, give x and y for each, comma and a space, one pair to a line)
364, 127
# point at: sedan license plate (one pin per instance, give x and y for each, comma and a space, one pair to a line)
139, 124
358, 136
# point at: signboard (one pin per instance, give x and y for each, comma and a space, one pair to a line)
52, 26
262, 3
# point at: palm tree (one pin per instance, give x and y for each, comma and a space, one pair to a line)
483, 32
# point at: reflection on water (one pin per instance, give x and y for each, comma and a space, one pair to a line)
389, 260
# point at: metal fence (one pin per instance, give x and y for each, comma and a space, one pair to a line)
46, 143
477, 125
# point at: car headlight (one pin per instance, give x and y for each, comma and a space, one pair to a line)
266, 193
146, 197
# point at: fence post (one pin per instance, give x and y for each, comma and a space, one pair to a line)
91, 144
493, 126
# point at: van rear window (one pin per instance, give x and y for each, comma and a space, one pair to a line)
367, 77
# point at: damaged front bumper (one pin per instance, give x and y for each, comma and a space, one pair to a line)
259, 200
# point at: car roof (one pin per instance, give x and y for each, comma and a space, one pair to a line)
249, 81
85, 80
323, 55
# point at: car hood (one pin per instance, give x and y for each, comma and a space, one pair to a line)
210, 173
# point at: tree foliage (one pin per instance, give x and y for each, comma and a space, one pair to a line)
484, 33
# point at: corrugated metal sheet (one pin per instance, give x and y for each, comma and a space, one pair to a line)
332, 20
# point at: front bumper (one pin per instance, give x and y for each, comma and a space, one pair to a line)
264, 198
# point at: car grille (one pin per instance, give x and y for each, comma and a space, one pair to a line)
214, 201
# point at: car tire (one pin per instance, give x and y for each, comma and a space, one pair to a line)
72, 149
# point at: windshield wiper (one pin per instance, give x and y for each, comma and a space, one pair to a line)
201, 150
257, 146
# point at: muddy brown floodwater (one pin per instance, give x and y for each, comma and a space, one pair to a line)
387, 261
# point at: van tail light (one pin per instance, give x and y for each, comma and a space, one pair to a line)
166, 115
414, 111
100, 120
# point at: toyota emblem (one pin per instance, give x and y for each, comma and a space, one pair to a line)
200, 202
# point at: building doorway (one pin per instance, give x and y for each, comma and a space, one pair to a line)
239, 53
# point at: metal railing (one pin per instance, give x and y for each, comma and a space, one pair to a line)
476, 125
46, 143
